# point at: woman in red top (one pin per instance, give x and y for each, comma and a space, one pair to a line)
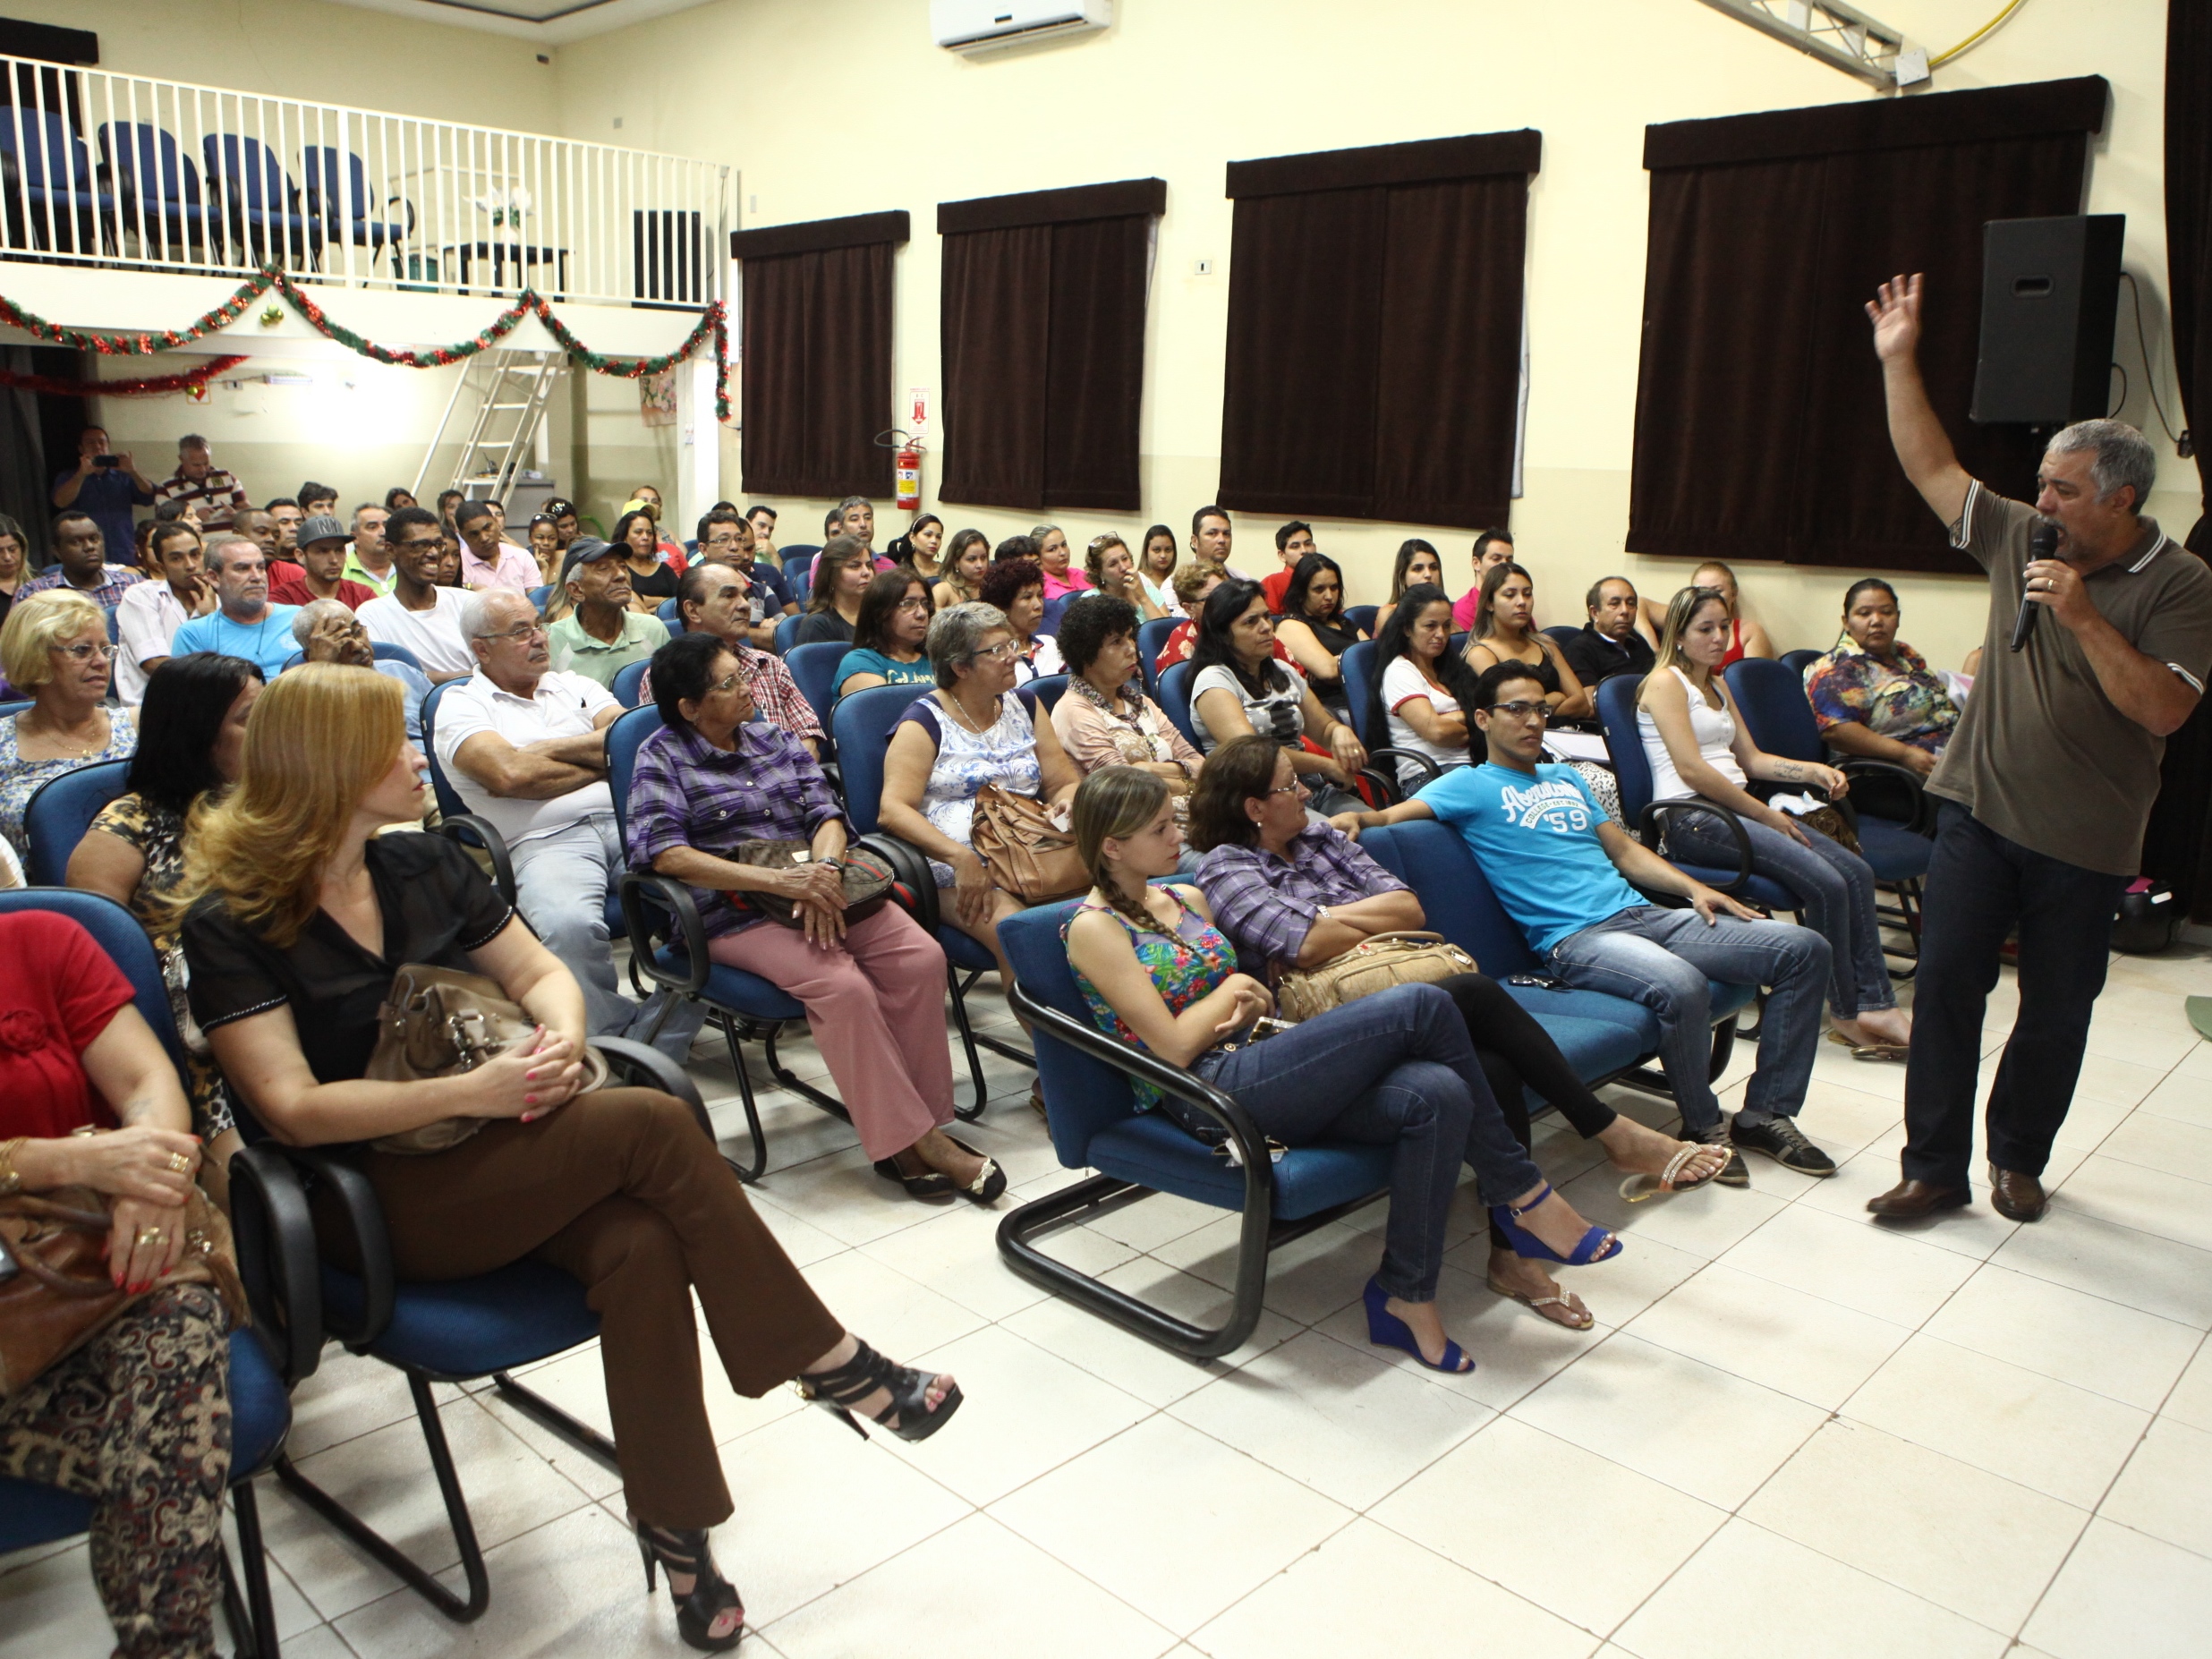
139, 1419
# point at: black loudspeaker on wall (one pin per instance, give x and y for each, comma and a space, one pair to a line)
2050, 295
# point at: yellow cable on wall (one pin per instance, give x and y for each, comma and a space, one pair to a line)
1977, 37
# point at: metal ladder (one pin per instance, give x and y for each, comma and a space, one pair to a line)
510, 390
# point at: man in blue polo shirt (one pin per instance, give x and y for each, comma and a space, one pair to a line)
1562, 870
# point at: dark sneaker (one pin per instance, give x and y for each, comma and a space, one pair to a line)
1781, 1140
1733, 1173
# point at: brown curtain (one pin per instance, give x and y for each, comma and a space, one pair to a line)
1043, 331
1375, 330
817, 344
2177, 847
1760, 431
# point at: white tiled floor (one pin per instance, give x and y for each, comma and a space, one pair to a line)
1793, 1430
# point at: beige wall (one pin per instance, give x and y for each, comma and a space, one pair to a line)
837, 106
324, 54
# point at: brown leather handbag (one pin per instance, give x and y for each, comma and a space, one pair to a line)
1376, 963
867, 879
439, 1022
1028, 854
60, 1296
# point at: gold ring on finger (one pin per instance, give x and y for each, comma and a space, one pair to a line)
150, 1235
180, 1162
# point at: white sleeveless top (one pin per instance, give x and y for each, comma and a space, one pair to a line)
1715, 730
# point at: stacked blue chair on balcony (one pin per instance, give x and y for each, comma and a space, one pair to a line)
162, 203
342, 215
261, 207
54, 198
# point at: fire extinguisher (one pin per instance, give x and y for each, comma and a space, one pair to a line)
907, 467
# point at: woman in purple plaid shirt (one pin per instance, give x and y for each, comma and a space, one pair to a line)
873, 990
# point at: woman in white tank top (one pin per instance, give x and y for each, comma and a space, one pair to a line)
1697, 747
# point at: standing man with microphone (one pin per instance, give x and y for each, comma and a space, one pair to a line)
2046, 788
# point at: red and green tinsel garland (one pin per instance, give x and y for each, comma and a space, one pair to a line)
713, 324
151, 388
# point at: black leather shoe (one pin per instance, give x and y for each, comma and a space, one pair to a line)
1908, 1200
2015, 1196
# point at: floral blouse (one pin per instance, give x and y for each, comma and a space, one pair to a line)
1897, 697
19, 779
158, 834
1185, 965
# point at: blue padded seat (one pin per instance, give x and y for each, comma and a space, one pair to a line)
1095, 1123
472, 1327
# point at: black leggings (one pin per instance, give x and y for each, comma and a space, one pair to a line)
1516, 1050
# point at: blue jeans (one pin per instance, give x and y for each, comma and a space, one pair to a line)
1834, 888
1663, 958
1392, 1069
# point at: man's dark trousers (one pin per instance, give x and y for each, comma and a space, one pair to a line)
1980, 885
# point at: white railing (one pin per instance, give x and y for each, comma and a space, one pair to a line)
127, 172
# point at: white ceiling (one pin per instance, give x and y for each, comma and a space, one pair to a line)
549, 22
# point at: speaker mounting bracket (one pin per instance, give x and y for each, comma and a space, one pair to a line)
1840, 35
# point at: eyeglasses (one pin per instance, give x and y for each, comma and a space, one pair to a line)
520, 631
913, 603
82, 652
1000, 651
728, 682
1537, 711
1293, 787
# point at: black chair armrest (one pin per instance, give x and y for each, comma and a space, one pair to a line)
363, 1214
469, 829
1430, 771
1650, 830
1891, 784
275, 1233
914, 875
642, 893
645, 1066
1224, 1108
1379, 789
834, 776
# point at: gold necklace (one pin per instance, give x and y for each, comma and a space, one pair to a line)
966, 718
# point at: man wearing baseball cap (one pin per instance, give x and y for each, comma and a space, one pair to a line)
602, 635
322, 547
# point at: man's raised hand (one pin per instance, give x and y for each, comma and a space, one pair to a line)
1895, 313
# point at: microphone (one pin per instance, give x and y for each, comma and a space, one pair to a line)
2042, 543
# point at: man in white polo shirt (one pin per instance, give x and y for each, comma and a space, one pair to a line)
418, 613
524, 746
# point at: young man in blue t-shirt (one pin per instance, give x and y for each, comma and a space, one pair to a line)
1562, 870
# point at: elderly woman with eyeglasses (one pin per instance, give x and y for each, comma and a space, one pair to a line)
974, 730
54, 647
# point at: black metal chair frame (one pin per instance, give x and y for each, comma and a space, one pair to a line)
1258, 1232
275, 1229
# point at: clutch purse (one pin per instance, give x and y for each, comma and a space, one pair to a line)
867, 879
1375, 964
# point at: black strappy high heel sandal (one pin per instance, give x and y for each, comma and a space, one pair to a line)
865, 1372
712, 1597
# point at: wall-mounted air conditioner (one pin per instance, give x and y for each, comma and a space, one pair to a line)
970, 26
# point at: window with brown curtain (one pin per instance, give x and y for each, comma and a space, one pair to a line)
817, 344
1760, 431
1042, 326
1375, 330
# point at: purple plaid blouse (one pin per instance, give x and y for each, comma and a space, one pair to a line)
1267, 904
685, 792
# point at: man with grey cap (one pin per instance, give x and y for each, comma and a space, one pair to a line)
320, 548
325, 630
524, 746
602, 635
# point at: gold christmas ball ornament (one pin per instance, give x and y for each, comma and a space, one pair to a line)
271, 316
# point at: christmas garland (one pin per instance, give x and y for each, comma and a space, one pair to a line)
713, 324
185, 382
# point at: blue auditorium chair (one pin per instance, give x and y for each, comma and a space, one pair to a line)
627, 679
787, 635
1358, 668
455, 819
1152, 639
1360, 619
380, 649
814, 668
863, 726
60, 812
1798, 661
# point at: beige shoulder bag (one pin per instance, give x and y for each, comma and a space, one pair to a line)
440, 1022
1375, 964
